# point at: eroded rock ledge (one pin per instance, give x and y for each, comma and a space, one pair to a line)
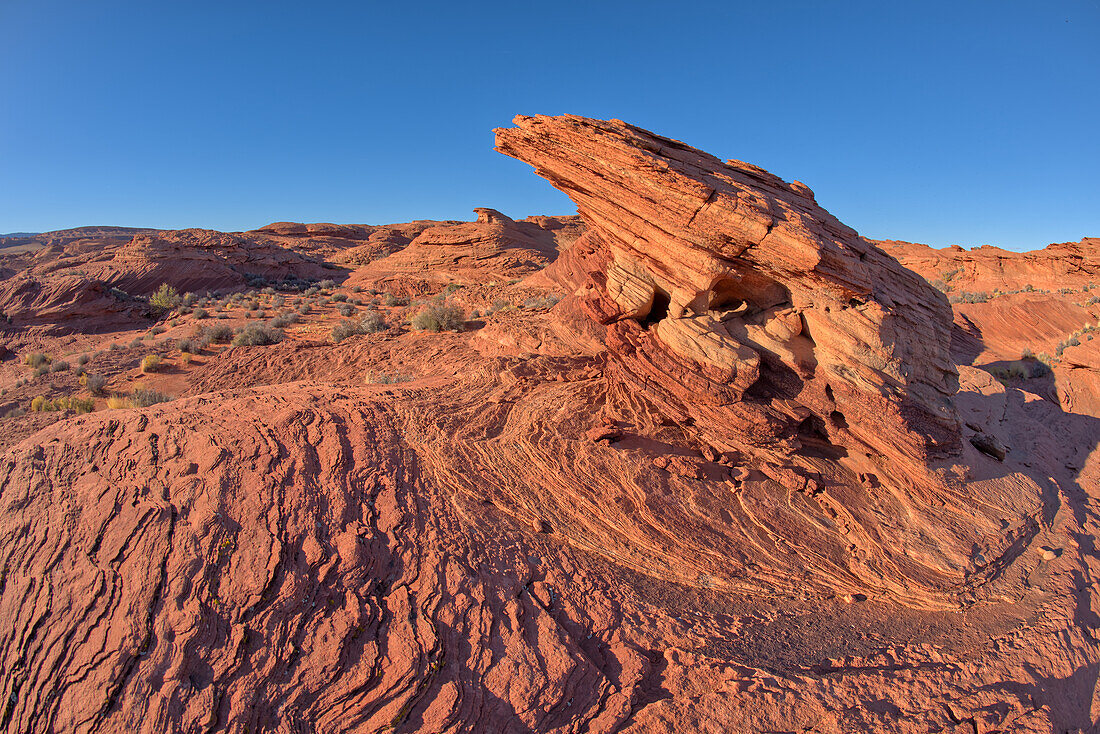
742, 304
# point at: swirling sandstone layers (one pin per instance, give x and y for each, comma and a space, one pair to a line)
452, 554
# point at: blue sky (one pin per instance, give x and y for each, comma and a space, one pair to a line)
948, 123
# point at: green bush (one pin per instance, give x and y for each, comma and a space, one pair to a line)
166, 297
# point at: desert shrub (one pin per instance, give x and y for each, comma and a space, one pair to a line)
135, 342
1038, 367
188, 299
369, 324
284, 320
372, 323
35, 359
59, 366
188, 345
357, 289
41, 404
339, 297
201, 313
166, 297
115, 402
439, 317
311, 291
257, 335
346, 309
326, 284
150, 363
44, 369
218, 334
543, 302
278, 302
389, 299
451, 288
144, 397
383, 378
186, 357
1012, 371
94, 382
345, 329
83, 359
967, 297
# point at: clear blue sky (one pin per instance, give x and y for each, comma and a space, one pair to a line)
959, 122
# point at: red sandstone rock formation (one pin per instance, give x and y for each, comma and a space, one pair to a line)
1010, 304
984, 269
721, 282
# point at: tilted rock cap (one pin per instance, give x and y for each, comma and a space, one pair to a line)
743, 275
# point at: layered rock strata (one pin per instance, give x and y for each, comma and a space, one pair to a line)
723, 286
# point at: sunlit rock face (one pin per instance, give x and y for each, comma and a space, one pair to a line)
736, 298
